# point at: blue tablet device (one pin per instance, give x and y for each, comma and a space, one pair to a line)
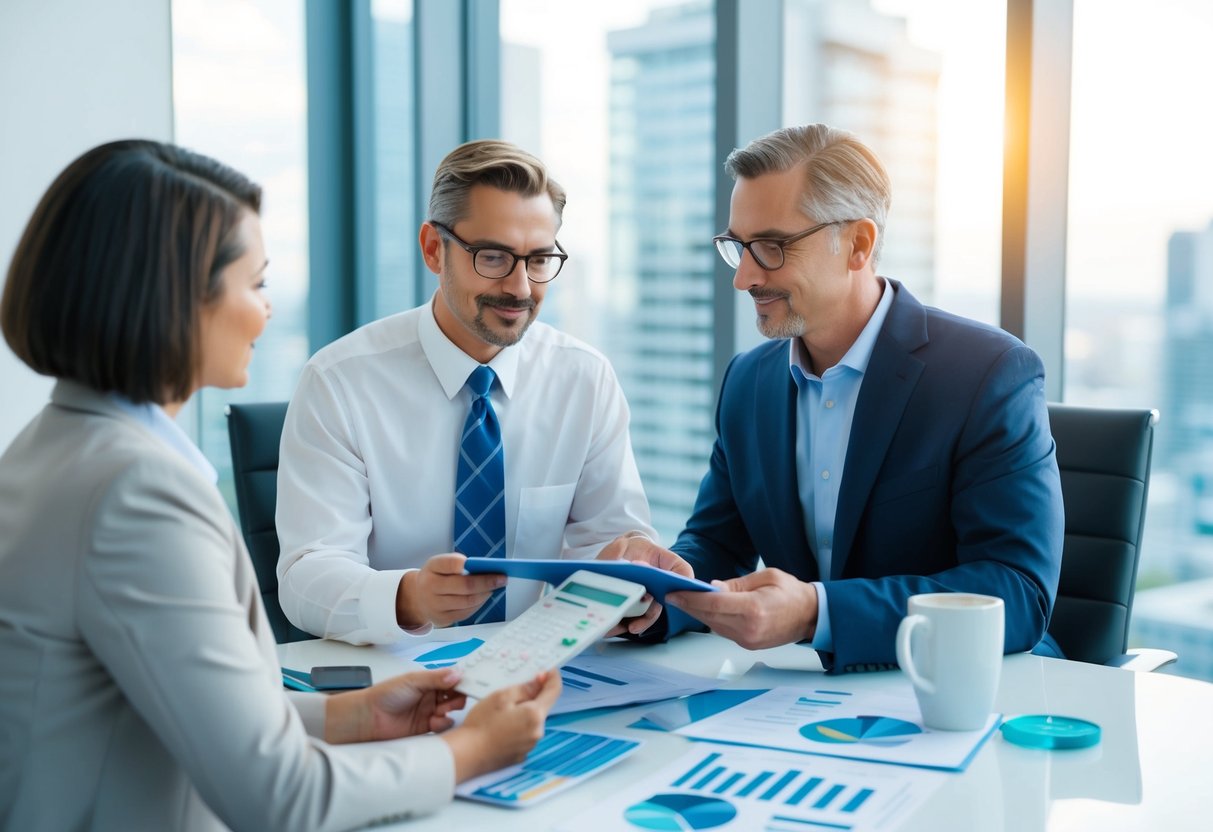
657, 581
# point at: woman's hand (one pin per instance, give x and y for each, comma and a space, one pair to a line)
403, 706
503, 727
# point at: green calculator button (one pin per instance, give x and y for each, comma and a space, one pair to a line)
568, 641
582, 624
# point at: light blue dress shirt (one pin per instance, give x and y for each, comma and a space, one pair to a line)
163, 427
825, 406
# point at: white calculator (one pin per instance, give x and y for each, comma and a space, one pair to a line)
555, 629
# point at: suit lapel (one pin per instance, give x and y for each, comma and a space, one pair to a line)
775, 416
888, 382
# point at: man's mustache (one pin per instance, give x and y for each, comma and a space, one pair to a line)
768, 294
505, 303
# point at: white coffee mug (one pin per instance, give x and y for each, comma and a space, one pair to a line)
950, 645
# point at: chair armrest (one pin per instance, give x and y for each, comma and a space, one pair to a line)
1143, 659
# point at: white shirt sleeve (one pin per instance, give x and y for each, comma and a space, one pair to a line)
326, 585
610, 498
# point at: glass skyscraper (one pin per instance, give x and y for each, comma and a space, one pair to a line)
849, 66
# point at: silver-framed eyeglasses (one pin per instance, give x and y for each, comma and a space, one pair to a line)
498, 263
766, 251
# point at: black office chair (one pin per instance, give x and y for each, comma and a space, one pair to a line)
1104, 455
255, 431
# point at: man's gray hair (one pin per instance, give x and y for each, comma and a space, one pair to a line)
843, 178
489, 162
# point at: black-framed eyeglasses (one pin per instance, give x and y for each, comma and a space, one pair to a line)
766, 251
499, 263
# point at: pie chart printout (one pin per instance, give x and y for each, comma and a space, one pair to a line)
680, 812
869, 730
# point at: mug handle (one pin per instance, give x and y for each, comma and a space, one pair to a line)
904, 657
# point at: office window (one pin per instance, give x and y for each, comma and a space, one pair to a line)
394, 146
1139, 283
629, 134
922, 84
239, 95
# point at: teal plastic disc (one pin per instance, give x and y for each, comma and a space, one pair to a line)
1048, 731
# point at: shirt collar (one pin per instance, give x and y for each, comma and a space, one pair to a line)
452, 365
860, 353
162, 426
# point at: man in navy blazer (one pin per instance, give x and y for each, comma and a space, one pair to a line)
875, 448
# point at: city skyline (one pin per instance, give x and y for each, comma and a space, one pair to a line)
1135, 187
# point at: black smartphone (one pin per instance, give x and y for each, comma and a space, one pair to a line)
341, 677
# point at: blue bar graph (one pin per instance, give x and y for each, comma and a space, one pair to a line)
574, 683
729, 782
597, 677
822, 699
558, 757
695, 769
858, 800
788, 777
826, 799
824, 804
806, 823
758, 780
803, 791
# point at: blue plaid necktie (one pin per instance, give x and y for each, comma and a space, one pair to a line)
480, 489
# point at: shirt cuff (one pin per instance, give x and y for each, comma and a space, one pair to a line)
823, 638
379, 606
311, 710
426, 764
435, 777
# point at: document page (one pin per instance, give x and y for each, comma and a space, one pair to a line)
724, 787
837, 722
560, 760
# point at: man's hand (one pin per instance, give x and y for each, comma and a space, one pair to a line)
403, 706
642, 550
762, 609
439, 593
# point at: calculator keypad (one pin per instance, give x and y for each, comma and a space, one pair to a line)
549, 633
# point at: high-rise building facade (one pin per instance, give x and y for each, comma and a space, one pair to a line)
661, 194
848, 66
1186, 434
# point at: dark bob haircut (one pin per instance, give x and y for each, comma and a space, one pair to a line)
107, 284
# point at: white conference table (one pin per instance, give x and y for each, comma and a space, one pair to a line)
1151, 770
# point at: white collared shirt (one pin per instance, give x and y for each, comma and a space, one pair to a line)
366, 478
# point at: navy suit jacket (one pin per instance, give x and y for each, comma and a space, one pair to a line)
950, 482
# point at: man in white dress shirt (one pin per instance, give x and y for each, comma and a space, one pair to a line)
368, 473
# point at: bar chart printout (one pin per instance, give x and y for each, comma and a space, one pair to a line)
726, 787
560, 760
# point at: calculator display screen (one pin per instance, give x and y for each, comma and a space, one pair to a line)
594, 594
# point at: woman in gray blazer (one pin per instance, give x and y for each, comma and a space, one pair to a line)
139, 687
